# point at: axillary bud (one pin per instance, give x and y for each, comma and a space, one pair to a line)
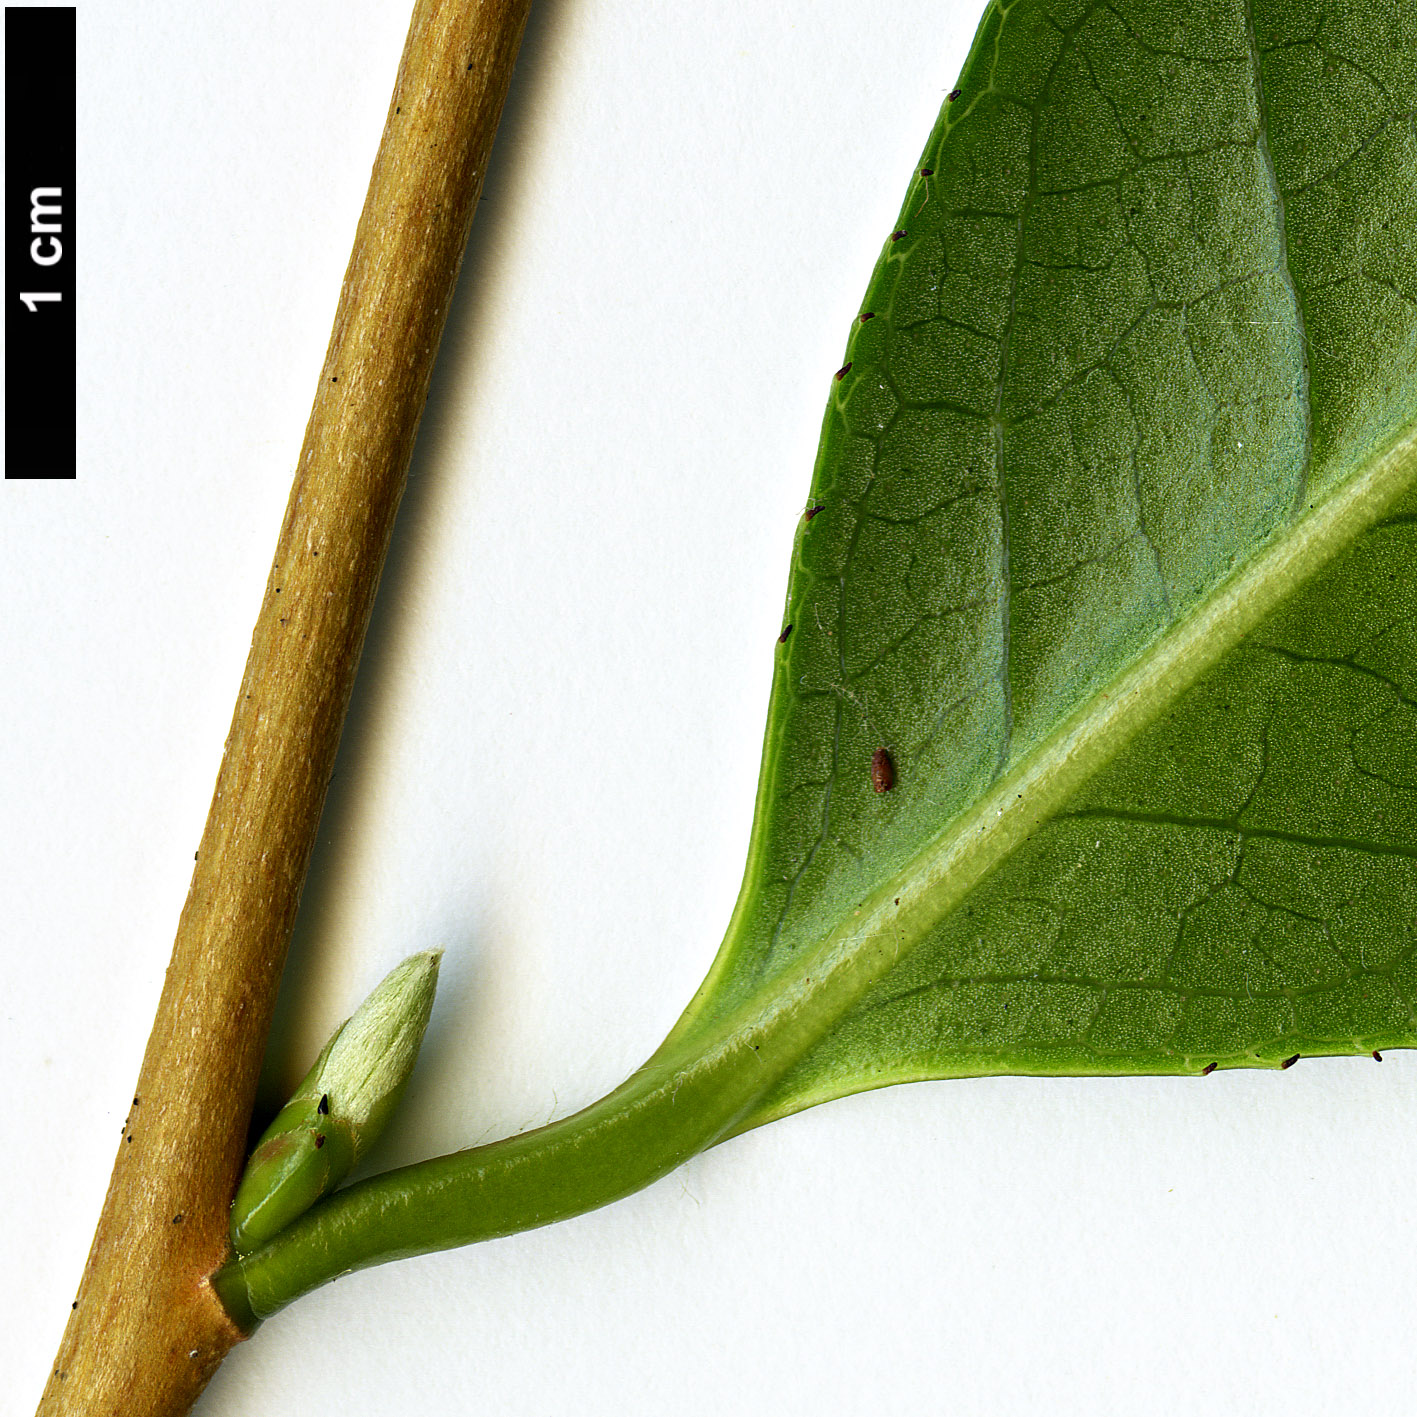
343, 1104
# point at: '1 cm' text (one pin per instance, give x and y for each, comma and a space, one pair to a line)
46, 249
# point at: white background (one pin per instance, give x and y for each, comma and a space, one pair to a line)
551, 757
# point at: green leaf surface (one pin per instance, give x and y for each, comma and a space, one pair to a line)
1105, 551
1111, 555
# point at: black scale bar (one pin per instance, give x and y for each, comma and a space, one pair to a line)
39, 243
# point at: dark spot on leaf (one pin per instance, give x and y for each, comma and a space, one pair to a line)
953, 94
1289, 1062
1377, 1057
927, 171
867, 315
324, 1108
782, 638
843, 371
896, 235
812, 512
319, 1140
1207, 1070
882, 771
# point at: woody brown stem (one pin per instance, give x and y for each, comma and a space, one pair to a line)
147, 1331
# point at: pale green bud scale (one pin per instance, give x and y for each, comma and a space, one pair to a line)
340, 1108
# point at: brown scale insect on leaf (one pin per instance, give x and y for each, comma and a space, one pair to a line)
882, 771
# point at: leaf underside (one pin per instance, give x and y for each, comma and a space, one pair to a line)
1150, 304
1092, 745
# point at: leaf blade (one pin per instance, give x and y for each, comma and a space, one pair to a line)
1139, 933
950, 504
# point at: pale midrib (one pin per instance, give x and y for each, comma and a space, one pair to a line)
899, 915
